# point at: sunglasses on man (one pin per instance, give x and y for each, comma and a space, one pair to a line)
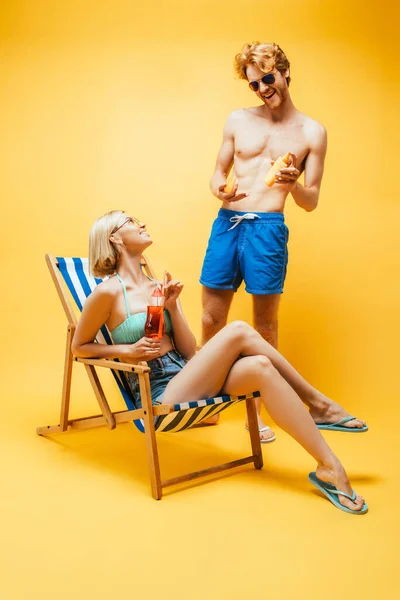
267, 80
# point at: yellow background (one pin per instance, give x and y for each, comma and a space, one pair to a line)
119, 105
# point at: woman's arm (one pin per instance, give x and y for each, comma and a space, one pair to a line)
95, 314
184, 340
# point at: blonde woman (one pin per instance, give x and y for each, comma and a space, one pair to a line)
245, 360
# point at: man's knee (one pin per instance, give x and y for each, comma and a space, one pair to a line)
212, 322
212, 318
216, 306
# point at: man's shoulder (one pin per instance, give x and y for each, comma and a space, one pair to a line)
237, 115
313, 127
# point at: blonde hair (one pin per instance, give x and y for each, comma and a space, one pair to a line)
103, 254
264, 56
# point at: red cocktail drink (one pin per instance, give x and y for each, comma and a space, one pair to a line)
154, 326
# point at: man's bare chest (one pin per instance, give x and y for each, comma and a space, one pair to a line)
255, 139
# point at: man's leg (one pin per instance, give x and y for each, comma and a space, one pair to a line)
216, 304
264, 269
265, 316
265, 321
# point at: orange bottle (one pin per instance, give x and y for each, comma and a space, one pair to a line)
281, 163
230, 181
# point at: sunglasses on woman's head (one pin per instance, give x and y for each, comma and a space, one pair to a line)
267, 80
127, 220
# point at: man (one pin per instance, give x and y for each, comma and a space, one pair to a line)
249, 237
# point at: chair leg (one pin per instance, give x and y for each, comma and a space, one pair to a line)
66, 391
98, 390
150, 435
254, 433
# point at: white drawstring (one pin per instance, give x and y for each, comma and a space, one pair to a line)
239, 218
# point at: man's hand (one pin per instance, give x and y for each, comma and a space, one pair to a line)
229, 196
289, 175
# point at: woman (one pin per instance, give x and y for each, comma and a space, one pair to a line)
245, 360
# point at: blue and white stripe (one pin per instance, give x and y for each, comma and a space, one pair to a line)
81, 284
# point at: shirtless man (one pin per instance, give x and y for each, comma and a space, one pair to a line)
249, 237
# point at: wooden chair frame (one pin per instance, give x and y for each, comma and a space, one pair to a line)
147, 412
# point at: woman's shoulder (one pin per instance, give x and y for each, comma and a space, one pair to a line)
106, 290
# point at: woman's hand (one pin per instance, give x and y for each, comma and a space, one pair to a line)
145, 349
171, 290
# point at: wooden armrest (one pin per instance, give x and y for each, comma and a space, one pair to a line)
114, 364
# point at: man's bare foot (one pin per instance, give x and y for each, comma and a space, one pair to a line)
324, 410
337, 475
266, 433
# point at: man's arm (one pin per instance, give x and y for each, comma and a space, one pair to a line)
224, 163
306, 196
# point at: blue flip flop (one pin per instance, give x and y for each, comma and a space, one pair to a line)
339, 426
332, 494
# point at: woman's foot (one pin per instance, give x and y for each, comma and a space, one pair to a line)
324, 410
338, 477
266, 433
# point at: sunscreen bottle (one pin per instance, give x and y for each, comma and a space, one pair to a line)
281, 163
230, 181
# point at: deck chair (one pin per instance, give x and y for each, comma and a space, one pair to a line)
72, 274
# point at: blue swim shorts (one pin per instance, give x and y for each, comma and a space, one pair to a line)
247, 246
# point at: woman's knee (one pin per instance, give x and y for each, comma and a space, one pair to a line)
262, 364
240, 329
258, 365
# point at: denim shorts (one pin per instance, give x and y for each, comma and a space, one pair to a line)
247, 246
163, 369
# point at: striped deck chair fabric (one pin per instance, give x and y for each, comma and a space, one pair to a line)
72, 274
80, 284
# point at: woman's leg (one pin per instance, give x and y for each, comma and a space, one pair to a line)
208, 369
287, 410
238, 338
215, 367
204, 375
322, 409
